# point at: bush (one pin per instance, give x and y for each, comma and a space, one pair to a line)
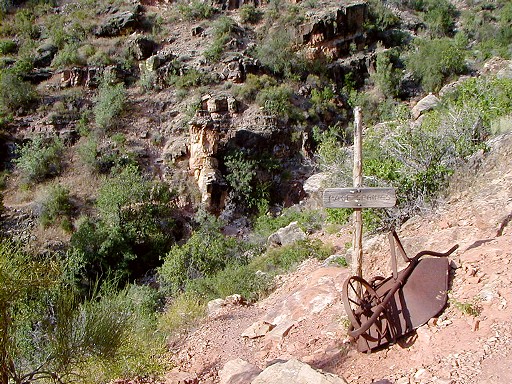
252, 85
196, 10
222, 31
386, 76
205, 253
133, 229
109, 104
39, 159
282, 259
15, 94
277, 101
308, 220
7, 47
56, 203
182, 313
68, 56
435, 60
250, 14
276, 53
439, 15
234, 279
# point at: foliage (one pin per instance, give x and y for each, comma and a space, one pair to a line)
250, 14
439, 17
182, 313
109, 104
205, 253
15, 94
276, 52
248, 176
282, 259
235, 278
133, 229
331, 155
223, 28
277, 101
435, 60
488, 97
381, 17
387, 76
21, 280
265, 224
7, 47
40, 159
56, 203
196, 10
190, 78
252, 85
49, 333
68, 56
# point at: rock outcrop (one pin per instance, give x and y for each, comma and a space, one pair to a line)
331, 34
294, 371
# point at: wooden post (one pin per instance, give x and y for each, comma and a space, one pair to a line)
357, 261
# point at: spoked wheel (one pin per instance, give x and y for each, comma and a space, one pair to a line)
360, 300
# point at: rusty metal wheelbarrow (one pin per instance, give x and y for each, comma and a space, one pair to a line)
384, 309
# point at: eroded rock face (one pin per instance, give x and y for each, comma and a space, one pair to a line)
206, 129
331, 33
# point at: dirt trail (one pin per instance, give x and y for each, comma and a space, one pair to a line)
469, 342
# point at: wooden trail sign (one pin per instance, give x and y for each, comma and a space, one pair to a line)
358, 197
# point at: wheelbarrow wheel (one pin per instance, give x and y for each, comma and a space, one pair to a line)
360, 300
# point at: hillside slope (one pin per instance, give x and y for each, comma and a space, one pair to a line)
469, 342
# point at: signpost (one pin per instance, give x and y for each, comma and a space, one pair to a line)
358, 197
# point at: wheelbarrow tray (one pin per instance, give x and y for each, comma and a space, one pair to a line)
423, 294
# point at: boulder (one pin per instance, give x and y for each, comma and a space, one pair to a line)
314, 186
238, 371
428, 103
175, 149
119, 23
141, 47
45, 55
258, 329
296, 372
287, 235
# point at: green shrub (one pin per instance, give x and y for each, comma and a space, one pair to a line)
55, 204
191, 78
276, 52
196, 10
68, 56
308, 220
109, 104
252, 85
222, 30
435, 60
15, 94
439, 17
277, 101
39, 159
234, 279
381, 17
386, 77
133, 229
250, 14
23, 283
7, 47
204, 254
282, 259
183, 312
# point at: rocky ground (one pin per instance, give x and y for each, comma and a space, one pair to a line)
304, 318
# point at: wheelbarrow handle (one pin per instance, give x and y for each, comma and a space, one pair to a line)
436, 254
382, 305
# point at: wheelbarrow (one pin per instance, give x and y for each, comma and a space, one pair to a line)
384, 309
